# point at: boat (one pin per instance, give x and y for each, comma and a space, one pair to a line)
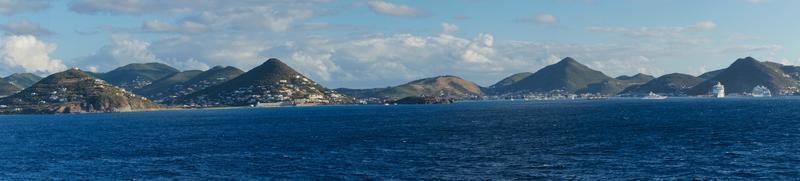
654, 96
761, 91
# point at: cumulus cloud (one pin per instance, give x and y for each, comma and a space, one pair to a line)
377, 60
387, 8
26, 53
122, 50
245, 33
157, 26
125, 49
449, 28
25, 27
11, 7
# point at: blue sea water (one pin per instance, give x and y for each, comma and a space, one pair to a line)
586, 140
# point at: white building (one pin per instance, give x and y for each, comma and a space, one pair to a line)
315, 96
718, 90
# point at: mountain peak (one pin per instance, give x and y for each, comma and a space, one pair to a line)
746, 60
568, 60
273, 61
567, 75
448, 76
147, 66
217, 67
272, 81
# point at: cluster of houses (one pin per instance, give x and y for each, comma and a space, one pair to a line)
181, 90
298, 90
550, 95
65, 95
135, 84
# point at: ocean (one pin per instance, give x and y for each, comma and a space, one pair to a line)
723, 139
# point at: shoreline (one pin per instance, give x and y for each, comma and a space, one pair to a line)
456, 102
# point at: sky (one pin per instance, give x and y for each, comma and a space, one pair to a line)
379, 43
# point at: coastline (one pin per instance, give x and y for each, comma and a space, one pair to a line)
174, 108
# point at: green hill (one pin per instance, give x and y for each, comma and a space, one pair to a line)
510, 80
74, 91
7, 88
712, 74
272, 81
168, 89
449, 86
23, 80
567, 75
167, 83
138, 75
746, 73
616, 85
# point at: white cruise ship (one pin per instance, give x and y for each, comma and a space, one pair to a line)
761, 91
718, 90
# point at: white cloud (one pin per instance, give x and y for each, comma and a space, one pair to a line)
243, 19
705, 25
25, 27
546, 19
157, 26
666, 31
448, 28
541, 19
25, 53
378, 60
690, 34
386, 8
123, 50
11, 7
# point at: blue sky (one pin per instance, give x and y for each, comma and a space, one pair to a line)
378, 43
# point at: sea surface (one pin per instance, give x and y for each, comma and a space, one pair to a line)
724, 139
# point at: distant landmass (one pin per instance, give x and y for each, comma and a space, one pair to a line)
168, 89
746, 73
138, 75
164, 84
616, 85
447, 86
510, 80
8, 88
74, 91
23, 80
711, 74
568, 75
671, 84
272, 81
